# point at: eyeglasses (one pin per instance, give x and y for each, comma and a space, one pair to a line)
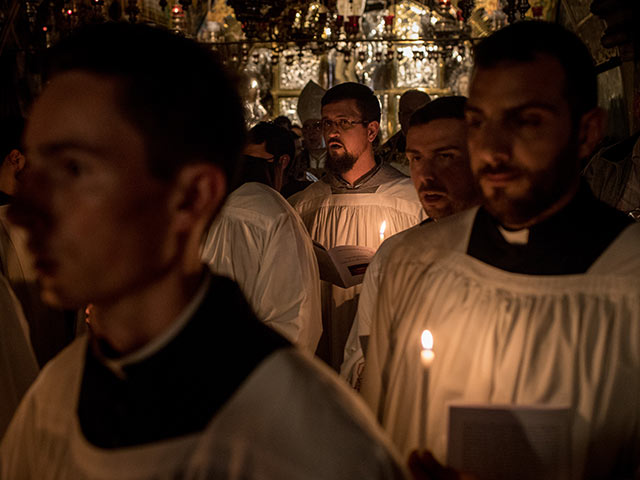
343, 124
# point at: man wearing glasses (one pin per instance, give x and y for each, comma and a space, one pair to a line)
353, 200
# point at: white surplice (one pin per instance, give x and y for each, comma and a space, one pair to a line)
353, 363
259, 241
506, 338
290, 419
335, 219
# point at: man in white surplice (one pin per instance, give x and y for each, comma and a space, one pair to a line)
436, 148
348, 205
533, 298
259, 241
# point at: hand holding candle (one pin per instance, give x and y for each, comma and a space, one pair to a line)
426, 358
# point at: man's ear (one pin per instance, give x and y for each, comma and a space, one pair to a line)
16, 159
283, 161
200, 190
373, 128
590, 131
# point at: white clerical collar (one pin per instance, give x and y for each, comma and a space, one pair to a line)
155, 345
515, 237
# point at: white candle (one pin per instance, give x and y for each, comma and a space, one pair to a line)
383, 227
426, 358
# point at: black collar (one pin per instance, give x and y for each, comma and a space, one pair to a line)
360, 182
177, 390
568, 242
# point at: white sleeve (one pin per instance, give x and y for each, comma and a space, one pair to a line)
354, 357
269, 253
287, 287
374, 381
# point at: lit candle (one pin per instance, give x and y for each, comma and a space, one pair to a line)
426, 358
383, 227
427, 354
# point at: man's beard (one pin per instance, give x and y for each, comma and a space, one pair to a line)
546, 187
339, 164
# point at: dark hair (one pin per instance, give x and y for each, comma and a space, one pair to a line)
524, 41
442, 107
279, 140
172, 89
10, 135
366, 100
283, 122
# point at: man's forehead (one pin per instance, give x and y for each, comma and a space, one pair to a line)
76, 95
79, 112
511, 84
91, 81
345, 107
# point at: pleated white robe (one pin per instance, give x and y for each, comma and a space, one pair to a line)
354, 359
259, 241
505, 338
353, 219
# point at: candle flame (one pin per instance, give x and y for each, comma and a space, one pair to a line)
427, 340
383, 227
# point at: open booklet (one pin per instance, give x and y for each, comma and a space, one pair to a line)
345, 265
506, 442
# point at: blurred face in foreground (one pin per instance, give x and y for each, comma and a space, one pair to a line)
439, 162
96, 218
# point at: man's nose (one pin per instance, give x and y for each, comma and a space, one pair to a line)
423, 175
425, 172
331, 130
491, 143
331, 134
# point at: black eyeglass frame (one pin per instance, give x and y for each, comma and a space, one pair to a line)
343, 124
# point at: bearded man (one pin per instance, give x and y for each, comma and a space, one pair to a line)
352, 200
436, 148
533, 299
